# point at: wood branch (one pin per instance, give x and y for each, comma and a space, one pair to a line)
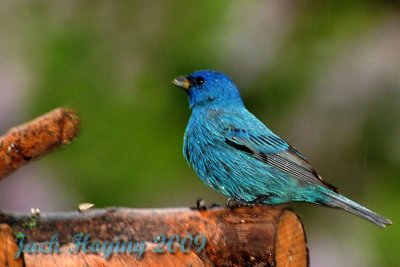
36, 138
246, 236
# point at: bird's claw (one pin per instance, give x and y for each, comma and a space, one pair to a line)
237, 203
201, 204
214, 205
233, 203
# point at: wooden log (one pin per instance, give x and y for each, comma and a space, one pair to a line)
245, 236
31, 140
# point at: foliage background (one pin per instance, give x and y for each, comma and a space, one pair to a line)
324, 75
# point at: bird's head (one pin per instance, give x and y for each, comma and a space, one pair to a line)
208, 88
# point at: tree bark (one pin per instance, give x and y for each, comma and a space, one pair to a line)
34, 139
245, 236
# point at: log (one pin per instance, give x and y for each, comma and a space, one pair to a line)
245, 236
31, 140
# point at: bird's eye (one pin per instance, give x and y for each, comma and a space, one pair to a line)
199, 81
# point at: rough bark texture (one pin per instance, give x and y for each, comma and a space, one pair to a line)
246, 236
31, 140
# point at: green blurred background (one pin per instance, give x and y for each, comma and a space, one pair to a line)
325, 75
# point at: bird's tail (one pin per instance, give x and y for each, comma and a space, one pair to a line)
338, 201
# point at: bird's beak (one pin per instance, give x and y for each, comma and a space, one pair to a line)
182, 82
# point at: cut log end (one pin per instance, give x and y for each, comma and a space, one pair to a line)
290, 242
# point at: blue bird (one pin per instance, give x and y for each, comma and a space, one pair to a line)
237, 155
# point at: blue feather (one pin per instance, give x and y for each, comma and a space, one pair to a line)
237, 155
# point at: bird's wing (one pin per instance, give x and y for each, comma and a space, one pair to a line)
248, 135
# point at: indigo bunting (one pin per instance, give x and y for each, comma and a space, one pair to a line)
237, 155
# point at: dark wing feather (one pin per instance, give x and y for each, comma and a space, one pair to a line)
275, 152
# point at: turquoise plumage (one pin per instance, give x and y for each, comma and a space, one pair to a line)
237, 155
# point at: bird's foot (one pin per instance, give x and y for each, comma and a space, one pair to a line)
214, 205
200, 204
262, 200
233, 203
